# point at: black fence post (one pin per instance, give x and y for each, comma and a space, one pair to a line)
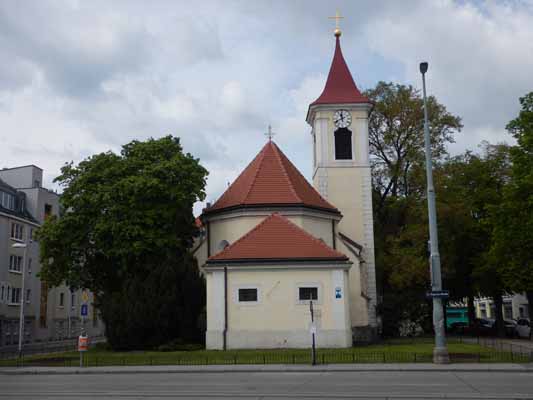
264, 359
293, 359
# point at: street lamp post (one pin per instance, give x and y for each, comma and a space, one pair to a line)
23, 290
440, 351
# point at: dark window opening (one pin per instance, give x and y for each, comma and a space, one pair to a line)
47, 210
247, 294
308, 293
343, 144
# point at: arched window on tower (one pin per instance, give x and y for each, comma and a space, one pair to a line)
343, 144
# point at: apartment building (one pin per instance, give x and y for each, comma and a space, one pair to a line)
514, 306
50, 313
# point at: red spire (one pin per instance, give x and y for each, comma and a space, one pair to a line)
340, 86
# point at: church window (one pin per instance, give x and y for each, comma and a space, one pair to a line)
248, 295
343, 144
222, 245
307, 293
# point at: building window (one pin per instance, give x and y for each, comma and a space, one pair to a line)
507, 310
307, 293
222, 245
247, 295
43, 305
15, 263
2, 292
72, 300
7, 200
343, 144
28, 295
29, 266
47, 210
31, 234
61, 299
483, 310
17, 231
15, 296
36, 183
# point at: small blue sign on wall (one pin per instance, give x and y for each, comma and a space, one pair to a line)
338, 292
84, 310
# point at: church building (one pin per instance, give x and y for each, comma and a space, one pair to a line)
273, 242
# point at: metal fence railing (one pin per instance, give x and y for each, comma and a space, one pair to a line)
54, 354
11, 352
323, 357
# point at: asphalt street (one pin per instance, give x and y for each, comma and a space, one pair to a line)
272, 385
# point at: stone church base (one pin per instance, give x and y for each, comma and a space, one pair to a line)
277, 339
364, 334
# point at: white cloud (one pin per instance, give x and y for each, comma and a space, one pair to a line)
84, 77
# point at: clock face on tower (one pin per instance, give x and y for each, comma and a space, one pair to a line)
342, 118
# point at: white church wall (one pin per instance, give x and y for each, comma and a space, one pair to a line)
278, 319
233, 226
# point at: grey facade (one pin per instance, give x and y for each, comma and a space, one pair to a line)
50, 313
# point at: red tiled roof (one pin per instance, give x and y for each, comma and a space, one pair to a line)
340, 86
276, 238
270, 179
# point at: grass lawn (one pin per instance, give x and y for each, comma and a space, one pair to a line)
389, 352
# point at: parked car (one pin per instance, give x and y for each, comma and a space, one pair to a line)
523, 328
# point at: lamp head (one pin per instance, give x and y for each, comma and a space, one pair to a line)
423, 67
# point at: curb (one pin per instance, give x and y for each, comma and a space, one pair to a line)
509, 368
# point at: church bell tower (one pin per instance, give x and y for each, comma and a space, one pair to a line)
341, 174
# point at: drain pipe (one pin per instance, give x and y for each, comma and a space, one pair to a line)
225, 332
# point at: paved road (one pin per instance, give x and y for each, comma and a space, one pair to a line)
271, 385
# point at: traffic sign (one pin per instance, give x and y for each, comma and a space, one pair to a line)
84, 310
83, 343
440, 294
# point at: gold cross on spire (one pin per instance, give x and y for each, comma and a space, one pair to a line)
269, 134
337, 17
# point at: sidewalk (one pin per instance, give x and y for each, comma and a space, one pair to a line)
528, 368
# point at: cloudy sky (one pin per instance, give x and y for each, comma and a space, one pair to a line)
80, 77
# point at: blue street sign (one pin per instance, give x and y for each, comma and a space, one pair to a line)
338, 292
441, 294
84, 310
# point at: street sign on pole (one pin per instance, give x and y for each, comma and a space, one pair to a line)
439, 294
84, 310
83, 346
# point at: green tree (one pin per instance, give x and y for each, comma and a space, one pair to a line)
470, 186
397, 156
513, 227
467, 187
125, 235
396, 134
